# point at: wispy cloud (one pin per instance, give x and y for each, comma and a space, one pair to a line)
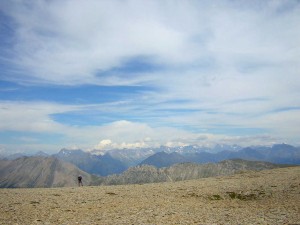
155, 70
59, 41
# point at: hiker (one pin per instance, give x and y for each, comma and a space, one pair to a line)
80, 181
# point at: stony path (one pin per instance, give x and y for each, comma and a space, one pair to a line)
267, 197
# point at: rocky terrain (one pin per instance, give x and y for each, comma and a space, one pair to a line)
253, 197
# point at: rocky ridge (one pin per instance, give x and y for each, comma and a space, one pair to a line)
185, 171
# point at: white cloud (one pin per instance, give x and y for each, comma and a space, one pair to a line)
30, 117
230, 63
108, 144
104, 143
36, 118
67, 42
60, 41
213, 52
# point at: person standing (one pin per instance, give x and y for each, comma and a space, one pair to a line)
80, 181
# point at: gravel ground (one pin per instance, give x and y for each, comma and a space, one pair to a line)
266, 197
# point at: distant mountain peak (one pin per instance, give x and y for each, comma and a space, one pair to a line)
66, 151
283, 145
41, 153
163, 159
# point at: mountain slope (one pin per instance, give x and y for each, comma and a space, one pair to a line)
185, 171
39, 172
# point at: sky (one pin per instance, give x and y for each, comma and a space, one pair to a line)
107, 74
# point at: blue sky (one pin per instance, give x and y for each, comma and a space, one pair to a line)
125, 74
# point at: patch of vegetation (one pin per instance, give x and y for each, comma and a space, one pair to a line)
294, 186
111, 193
215, 197
241, 196
259, 192
193, 194
34, 202
232, 195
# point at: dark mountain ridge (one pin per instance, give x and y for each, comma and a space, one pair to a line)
185, 171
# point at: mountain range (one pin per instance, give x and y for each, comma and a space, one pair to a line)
101, 165
129, 165
281, 154
37, 171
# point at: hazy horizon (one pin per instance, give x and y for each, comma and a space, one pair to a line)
168, 149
